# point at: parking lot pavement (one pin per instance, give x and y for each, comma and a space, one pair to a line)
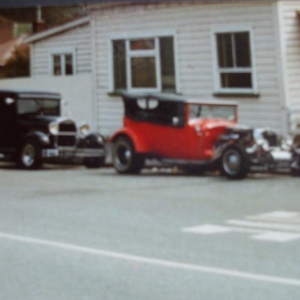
73, 233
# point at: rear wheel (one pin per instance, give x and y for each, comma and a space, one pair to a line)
30, 155
125, 158
234, 163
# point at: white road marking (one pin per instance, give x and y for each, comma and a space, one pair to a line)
152, 261
276, 226
280, 237
280, 214
256, 234
277, 216
264, 225
207, 229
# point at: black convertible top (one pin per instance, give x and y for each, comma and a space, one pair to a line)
157, 96
27, 93
174, 98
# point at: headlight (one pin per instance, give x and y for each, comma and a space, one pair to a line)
263, 143
100, 139
84, 129
53, 128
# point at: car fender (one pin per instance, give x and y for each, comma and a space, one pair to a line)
92, 140
41, 137
225, 142
138, 140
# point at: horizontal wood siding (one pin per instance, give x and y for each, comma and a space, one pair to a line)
291, 35
78, 38
193, 24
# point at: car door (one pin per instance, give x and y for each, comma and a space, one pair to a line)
8, 124
164, 128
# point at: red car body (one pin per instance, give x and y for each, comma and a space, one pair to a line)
195, 135
173, 129
195, 141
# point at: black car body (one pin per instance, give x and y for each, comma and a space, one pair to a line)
32, 131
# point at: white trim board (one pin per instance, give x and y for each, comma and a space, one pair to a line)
56, 30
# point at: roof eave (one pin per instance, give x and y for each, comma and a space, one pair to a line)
56, 30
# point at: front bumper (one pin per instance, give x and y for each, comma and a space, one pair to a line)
274, 160
72, 153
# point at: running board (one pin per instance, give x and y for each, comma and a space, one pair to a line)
185, 162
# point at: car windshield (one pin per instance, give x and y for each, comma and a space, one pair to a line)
50, 107
204, 111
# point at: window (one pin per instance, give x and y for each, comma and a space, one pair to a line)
50, 107
62, 62
146, 64
234, 62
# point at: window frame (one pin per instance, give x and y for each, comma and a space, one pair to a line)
217, 71
62, 52
127, 37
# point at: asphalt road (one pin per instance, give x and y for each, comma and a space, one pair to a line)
73, 233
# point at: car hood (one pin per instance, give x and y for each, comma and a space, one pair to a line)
39, 122
212, 123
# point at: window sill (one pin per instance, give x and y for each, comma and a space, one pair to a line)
114, 94
119, 94
236, 95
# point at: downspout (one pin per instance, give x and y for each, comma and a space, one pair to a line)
281, 68
94, 72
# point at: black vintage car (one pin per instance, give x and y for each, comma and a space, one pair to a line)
32, 131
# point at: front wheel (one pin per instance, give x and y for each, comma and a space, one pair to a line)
234, 163
125, 158
30, 155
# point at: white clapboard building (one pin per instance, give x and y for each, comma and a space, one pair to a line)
247, 51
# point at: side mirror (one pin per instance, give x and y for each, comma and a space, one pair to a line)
9, 101
175, 121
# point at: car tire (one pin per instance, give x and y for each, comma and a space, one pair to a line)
94, 162
125, 159
30, 155
234, 163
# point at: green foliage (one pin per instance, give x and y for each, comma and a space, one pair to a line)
18, 65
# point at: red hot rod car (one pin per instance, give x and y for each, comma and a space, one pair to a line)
194, 135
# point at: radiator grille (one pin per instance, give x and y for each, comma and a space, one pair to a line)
67, 127
67, 134
66, 141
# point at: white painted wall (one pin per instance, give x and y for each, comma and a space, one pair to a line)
290, 21
78, 38
193, 24
76, 90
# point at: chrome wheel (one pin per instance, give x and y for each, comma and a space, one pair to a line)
28, 155
125, 159
123, 156
234, 163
